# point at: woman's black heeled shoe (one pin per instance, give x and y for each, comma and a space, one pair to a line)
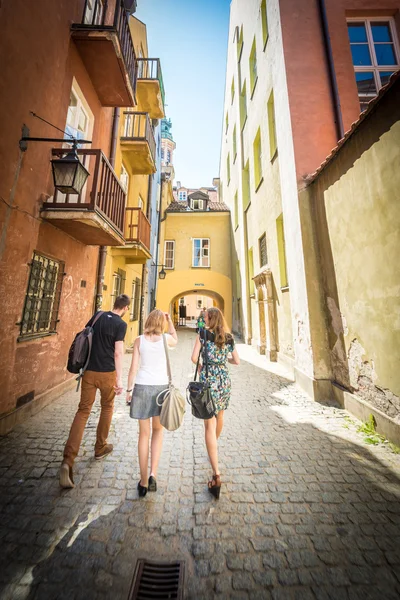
214, 486
142, 490
152, 484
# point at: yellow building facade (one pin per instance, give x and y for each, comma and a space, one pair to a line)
135, 163
194, 252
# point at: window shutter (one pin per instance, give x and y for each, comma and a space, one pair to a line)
122, 275
135, 315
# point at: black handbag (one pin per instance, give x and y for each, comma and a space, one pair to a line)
198, 393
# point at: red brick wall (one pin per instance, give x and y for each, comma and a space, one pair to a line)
310, 96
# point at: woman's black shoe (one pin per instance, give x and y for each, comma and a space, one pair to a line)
152, 484
142, 490
214, 486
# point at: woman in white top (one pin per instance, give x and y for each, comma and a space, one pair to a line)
143, 389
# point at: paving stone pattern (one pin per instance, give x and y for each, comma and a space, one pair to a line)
307, 510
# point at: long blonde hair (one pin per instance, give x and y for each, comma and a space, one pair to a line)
155, 323
217, 324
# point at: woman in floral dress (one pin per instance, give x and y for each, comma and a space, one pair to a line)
220, 351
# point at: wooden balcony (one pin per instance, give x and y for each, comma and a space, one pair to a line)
95, 217
150, 87
138, 144
137, 238
104, 42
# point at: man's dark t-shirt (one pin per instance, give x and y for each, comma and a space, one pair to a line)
109, 328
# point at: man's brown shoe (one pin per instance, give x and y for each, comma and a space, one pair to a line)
103, 453
66, 477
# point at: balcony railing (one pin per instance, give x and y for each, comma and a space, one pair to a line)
137, 127
102, 192
105, 17
137, 227
149, 69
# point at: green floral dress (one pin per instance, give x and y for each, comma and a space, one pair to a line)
218, 373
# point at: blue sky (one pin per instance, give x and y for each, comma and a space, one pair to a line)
190, 37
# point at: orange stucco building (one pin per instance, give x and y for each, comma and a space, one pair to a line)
71, 63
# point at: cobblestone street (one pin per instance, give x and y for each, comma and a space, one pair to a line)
307, 509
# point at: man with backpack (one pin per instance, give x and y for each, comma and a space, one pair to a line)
104, 373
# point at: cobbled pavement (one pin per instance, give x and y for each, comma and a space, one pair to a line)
307, 510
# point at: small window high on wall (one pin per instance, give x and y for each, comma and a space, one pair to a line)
196, 204
375, 53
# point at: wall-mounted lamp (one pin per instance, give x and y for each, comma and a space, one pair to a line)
69, 174
162, 274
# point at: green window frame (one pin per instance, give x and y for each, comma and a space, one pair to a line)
250, 259
236, 210
239, 42
257, 155
243, 106
246, 195
253, 67
264, 22
280, 232
273, 145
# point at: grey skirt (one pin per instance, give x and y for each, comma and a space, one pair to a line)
143, 403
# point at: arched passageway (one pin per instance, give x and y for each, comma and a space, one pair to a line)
185, 307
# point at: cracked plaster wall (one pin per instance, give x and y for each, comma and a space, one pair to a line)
356, 202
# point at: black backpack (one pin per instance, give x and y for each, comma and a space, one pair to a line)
81, 347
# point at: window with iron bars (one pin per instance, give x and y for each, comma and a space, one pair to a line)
42, 301
262, 245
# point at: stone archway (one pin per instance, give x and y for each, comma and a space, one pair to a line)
266, 300
217, 299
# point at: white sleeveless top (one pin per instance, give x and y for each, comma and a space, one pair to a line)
153, 363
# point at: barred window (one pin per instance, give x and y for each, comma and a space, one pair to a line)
40, 316
262, 244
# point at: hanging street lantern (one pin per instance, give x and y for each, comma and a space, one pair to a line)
162, 274
69, 174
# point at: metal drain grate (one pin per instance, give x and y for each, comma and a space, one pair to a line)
161, 581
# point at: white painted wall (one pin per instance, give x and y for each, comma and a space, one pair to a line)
278, 193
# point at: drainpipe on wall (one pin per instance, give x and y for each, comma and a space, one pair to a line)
142, 299
103, 249
114, 136
163, 182
332, 72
